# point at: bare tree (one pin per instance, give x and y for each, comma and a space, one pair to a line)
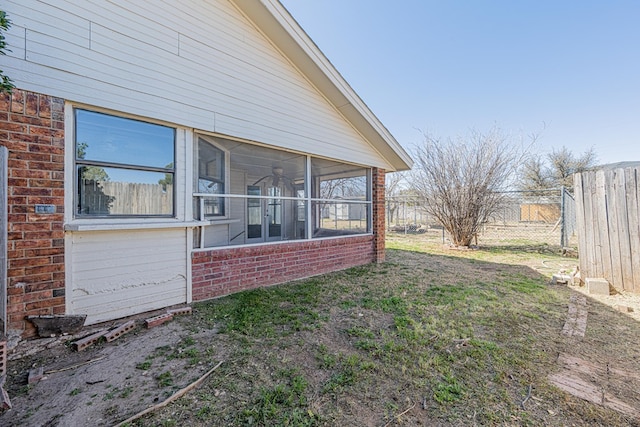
461, 180
554, 170
534, 175
564, 164
393, 187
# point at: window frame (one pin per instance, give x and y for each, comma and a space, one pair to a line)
78, 163
226, 184
302, 205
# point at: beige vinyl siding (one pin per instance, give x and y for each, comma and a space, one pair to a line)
197, 64
120, 273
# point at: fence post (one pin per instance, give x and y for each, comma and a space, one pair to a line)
563, 219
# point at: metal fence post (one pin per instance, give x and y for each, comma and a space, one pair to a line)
563, 222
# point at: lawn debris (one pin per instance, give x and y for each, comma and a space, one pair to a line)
624, 308
5, 402
171, 398
527, 397
158, 320
77, 365
35, 375
180, 311
397, 417
116, 333
88, 341
3, 357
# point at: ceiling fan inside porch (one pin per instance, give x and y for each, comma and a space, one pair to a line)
277, 177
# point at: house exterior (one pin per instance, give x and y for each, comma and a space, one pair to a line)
159, 153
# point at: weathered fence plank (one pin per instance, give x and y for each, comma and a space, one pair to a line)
612, 212
580, 217
633, 201
603, 250
608, 218
588, 263
622, 226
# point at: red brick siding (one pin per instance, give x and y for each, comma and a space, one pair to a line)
32, 129
225, 271
377, 199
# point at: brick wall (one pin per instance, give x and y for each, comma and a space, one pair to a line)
378, 205
32, 129
225, 271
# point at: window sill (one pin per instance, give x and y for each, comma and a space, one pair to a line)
220, 221
107, 226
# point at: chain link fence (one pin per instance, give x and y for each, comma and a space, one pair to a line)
542, 217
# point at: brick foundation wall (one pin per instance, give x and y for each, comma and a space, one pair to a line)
32, 129
225, 271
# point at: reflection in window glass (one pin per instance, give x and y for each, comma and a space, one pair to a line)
334, 181
105, 138
123, 166
211, 177
113, 191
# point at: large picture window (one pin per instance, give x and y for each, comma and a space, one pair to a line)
124, 167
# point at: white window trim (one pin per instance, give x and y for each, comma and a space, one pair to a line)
181, 186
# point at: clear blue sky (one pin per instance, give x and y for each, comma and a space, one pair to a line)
569, 69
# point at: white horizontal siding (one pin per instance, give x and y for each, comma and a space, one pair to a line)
197, 64
120, 273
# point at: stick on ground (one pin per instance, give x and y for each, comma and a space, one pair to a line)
526, 398
171, 398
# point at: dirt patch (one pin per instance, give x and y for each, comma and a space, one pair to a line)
108, 382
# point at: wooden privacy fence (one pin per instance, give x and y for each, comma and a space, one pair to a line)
125, 198
608, 225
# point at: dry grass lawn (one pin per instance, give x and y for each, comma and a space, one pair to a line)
431, 337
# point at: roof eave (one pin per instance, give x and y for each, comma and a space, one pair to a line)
285, 33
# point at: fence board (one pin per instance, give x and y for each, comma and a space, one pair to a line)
601, 231
608, 218
633, 201
591, 229
621, 214
612, 211
580, 195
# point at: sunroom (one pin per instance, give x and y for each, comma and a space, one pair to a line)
253, 194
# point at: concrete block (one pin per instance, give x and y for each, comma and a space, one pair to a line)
35, 375
158, 320
116, 333
5, 403
624, 308
50, 326
561, 279
598, 286
3, 357
180, 311
83, 343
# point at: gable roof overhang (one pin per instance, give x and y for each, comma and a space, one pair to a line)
275, 22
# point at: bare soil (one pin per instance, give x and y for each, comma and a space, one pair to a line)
108, 382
